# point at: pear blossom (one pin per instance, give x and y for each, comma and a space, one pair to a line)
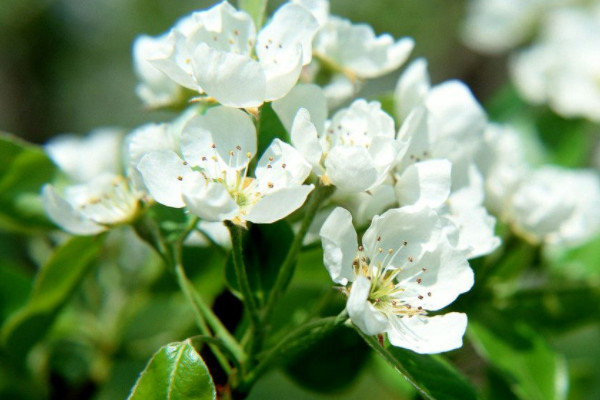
404, 268
496, 26
556, 206
353, 52
562, 68
218, 53
84, 158
155, 89
210, 176
354, 150
92, 207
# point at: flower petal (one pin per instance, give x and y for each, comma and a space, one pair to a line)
361, 312
305, 138
64, 215
412, 88
340, 244
163, 173
281, 165
426, 182
208, 200
437, 278
310, 97
221, 131
428, 335
351, 168
234, 80
278, 204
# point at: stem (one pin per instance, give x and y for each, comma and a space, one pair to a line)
216, 341
301, 336
241, 274
316, 198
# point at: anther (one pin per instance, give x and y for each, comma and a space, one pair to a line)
238, 147
283, 165
185, 163
429, 294
180, 178
270, 185
360, 248
271, 159
379, 238
420, 297
410, 259
419, 280
214, 146
405, 243
269, 166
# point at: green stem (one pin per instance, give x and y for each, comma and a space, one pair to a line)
299, 337
216, 341
316, 198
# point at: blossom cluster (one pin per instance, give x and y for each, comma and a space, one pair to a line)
411, 173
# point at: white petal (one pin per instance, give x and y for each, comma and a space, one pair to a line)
426, 182
173, 64
429, 335
228, 129
64, 215
351, 169
460, 120
476, 228
437, 278
361, 312
411, 89
305, 138
163, 173
208, 200
310, 97
282, 70
318, 8
278, 204
84, 158
384, 152
407, 231
340, 245
235, 80
291, 25
281, 165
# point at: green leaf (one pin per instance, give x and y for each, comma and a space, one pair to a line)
265, 249
25, 168
176, 371
430, 375
53, 286
532, 369
256, 9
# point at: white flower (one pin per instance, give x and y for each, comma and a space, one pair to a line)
403, 269
85, 158
353, 151
93, 207
155, 88
214, 54
351, 51
556, 206
355, 50
495, 26
562, 68
212, 180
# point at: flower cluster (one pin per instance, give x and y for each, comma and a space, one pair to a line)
412, 175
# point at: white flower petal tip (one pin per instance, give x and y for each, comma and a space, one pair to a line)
404, 268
